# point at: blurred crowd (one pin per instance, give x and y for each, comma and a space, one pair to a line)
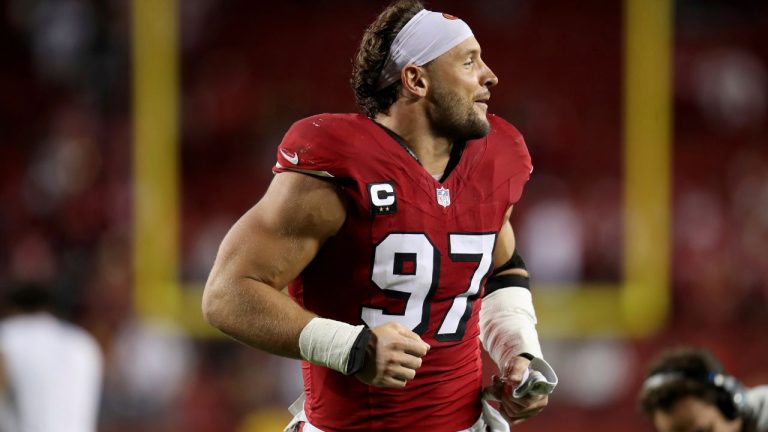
249, 69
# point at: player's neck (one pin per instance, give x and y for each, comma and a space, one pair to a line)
432, 151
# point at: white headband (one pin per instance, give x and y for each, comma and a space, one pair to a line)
424, 38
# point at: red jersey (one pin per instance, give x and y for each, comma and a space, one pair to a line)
412, 250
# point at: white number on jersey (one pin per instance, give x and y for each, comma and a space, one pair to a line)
407, 266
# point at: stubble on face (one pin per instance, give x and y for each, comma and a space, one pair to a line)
456, 117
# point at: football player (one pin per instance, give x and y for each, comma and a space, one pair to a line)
391, 229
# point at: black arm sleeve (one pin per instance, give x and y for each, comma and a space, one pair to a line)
497, 281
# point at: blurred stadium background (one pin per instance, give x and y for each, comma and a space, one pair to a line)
134, 133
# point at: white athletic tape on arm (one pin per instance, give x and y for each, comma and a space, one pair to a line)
328, 342
427, 36
508, 325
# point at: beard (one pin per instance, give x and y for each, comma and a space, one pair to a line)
455, 117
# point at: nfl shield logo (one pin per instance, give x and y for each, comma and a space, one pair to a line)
443, 197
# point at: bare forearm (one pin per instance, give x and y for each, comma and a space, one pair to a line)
256, 314
262, 253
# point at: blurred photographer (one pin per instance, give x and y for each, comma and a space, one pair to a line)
687, 390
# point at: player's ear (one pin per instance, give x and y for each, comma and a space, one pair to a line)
414, 80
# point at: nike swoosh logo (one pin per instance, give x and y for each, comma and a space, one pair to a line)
292, 158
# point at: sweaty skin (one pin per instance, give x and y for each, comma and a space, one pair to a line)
266, 249
276, 239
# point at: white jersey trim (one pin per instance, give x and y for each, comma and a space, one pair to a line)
305, 171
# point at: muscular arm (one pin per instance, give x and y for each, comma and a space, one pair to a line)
514, 410
512, 335
265, 250
505, 247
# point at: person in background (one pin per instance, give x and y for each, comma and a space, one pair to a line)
687, 390
50, 370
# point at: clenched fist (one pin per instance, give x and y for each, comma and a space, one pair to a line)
394, 354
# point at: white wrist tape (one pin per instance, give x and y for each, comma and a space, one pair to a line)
508, 325
328, 342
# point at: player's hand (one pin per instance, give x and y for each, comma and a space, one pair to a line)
516, 410
394, 354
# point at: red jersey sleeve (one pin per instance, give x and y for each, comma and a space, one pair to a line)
513, 161
317, 146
